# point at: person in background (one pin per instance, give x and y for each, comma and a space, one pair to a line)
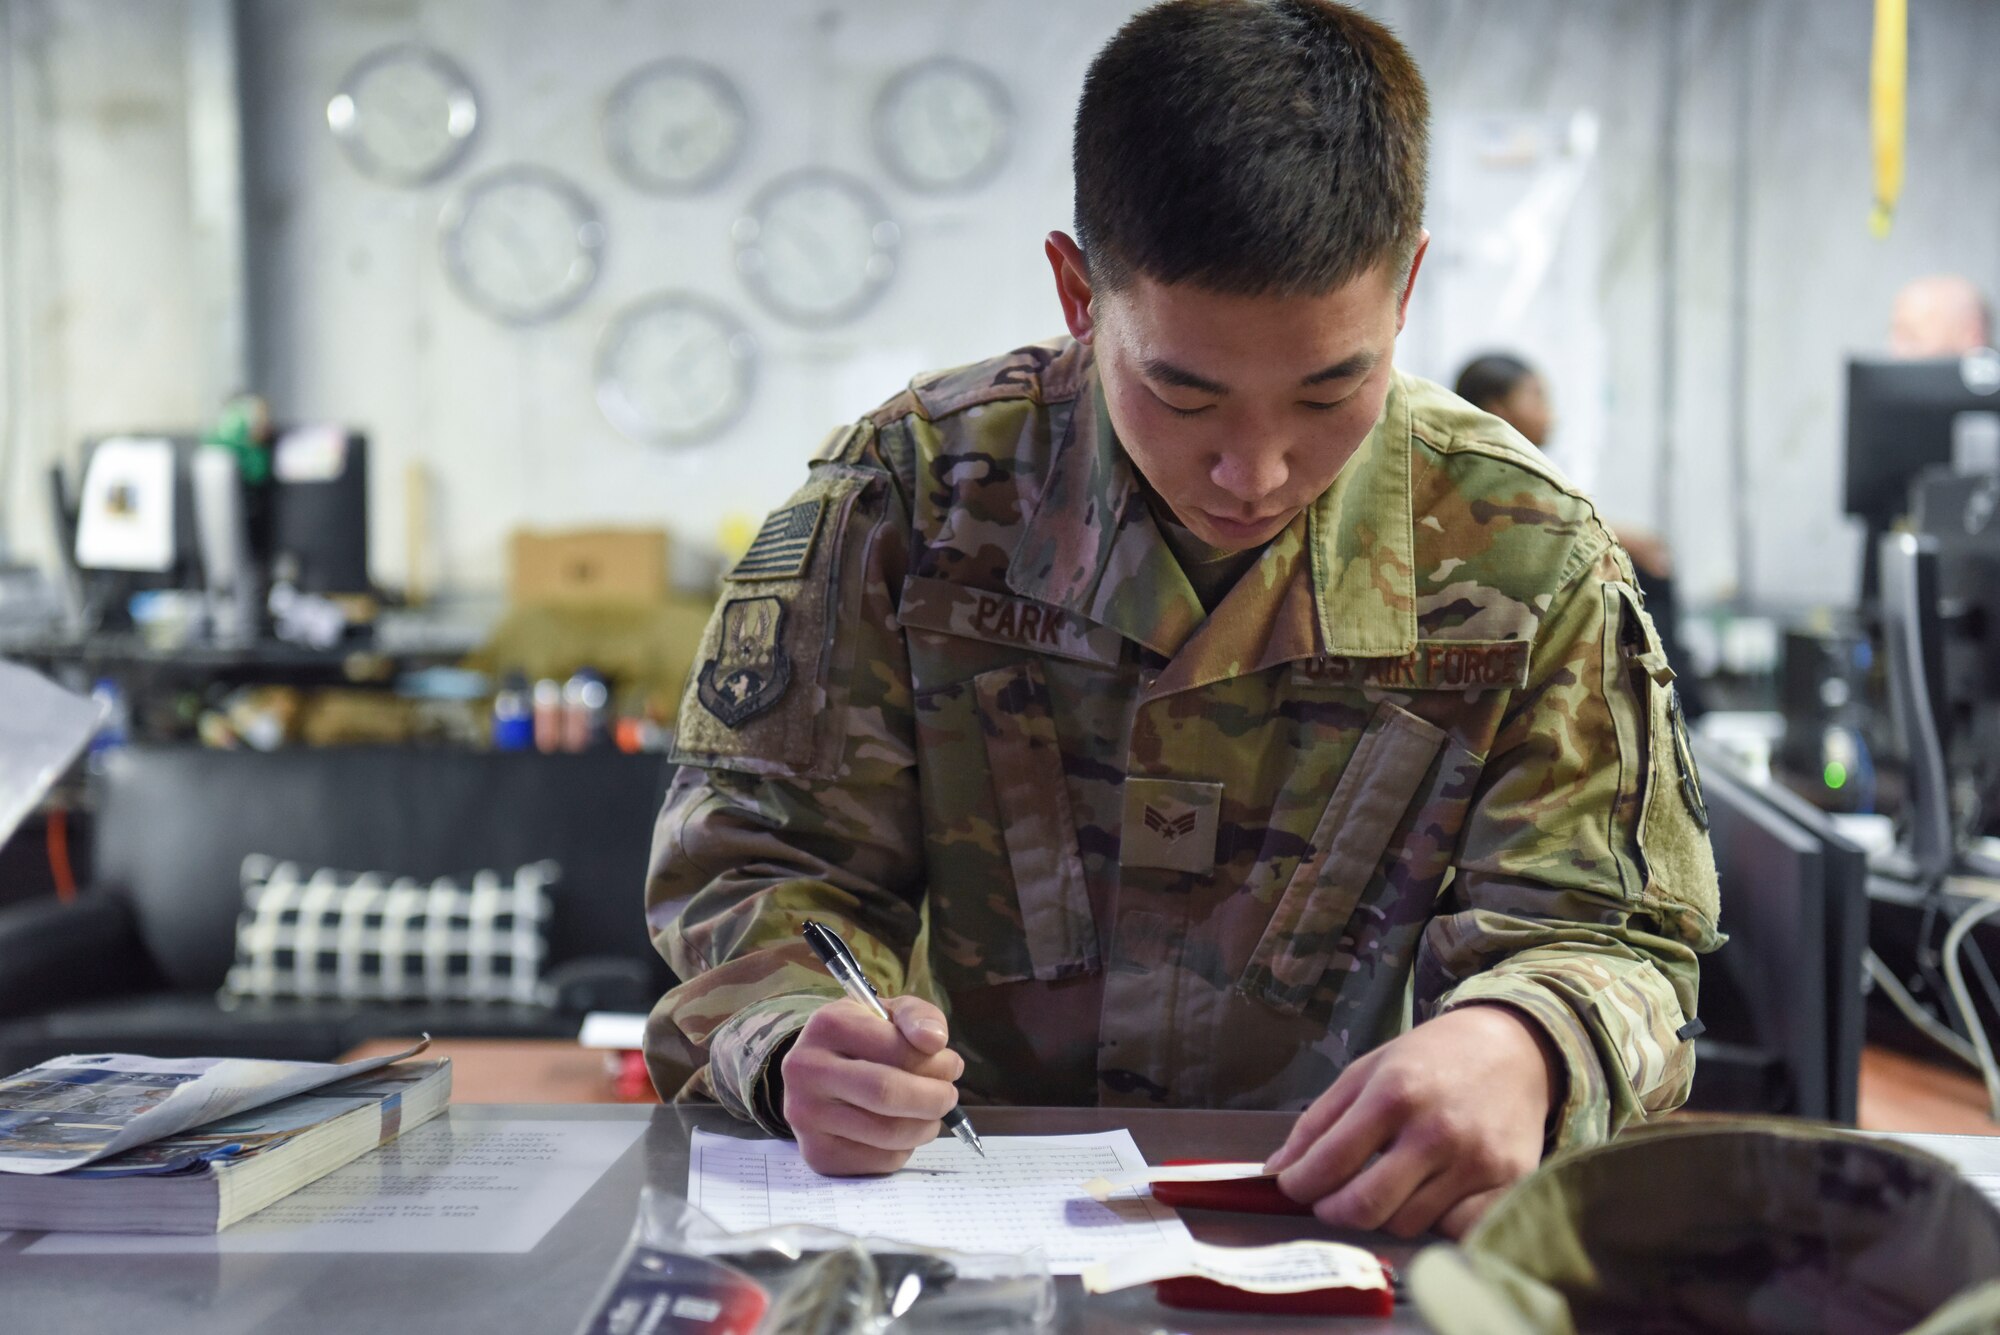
1513, 391
1941, 315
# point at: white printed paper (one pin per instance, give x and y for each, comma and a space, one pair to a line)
310, 454
1286, 1267
1025, 1193
613, 1029
125, 516
1103, 1188
42, 729
1978, 1157
471, 1185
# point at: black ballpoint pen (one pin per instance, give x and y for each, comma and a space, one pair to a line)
846, 971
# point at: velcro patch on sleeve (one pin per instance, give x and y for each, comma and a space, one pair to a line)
759, 701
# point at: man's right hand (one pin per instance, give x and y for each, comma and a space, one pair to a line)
861, 1094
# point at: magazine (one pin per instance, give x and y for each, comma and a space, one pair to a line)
204, 1180
75, 1110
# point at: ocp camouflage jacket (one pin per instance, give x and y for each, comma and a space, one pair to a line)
960, 703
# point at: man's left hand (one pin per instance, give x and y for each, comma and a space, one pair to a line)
1456, 1111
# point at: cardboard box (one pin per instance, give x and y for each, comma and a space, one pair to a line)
599, 566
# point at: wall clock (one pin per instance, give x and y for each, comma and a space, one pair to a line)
816, 247
675, 126
404, 115
522, 243
943, 124
674, 369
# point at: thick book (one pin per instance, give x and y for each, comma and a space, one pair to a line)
76, 1110
204, 1180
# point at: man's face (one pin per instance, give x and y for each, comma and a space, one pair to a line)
1239, 411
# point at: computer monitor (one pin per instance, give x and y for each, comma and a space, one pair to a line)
1767, 1045
130, 524
1844, 878
137, 521
1904, 417
319, 509
1959, 517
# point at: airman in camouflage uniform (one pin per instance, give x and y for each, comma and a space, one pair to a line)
961, 702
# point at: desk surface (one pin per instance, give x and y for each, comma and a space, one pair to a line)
547, 1291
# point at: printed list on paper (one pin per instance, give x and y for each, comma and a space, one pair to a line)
1027, 1192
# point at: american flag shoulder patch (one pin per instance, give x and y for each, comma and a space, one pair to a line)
784, 545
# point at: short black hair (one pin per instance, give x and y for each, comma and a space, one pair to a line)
1250, 146
1491, 377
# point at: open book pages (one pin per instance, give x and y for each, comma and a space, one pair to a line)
204, 1180
75, 1110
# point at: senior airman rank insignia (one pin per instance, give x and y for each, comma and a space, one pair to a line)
1170, 824
750, 671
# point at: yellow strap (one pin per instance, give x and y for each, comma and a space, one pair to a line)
1888, 86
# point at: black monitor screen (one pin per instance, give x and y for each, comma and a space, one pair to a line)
1844, 872
1902, 417
1962, 516
1766, 987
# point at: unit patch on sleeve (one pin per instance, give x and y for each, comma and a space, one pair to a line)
750, 671
784, 545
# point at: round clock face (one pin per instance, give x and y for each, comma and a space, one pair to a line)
404, 115
522, 244
943, 125
674, 369
675, 126
816, 247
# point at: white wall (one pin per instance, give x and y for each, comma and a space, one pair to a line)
1820, 284
352, 319
103, 325
358, 322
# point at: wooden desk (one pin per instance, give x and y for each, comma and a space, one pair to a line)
548, 1291
518, 1070
1898, 1092
1903, 1093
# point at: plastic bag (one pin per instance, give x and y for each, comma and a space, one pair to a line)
683, 1274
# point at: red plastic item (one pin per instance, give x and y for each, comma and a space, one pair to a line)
1250, 1195
1205, 1295
1253, 1195
635, 1082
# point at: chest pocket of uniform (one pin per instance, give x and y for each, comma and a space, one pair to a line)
999, 817
1369, 800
